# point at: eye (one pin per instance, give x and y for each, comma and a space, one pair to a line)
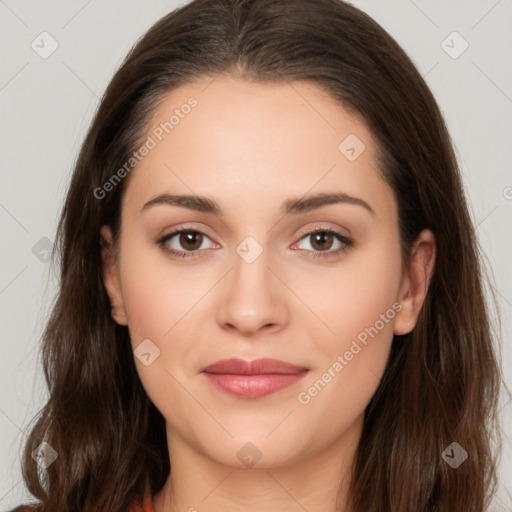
187, 243
190, 240
326, 242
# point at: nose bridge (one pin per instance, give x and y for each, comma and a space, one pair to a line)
253, 298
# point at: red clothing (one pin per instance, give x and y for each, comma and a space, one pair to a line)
147, 506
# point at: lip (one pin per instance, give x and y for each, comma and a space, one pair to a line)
253, 379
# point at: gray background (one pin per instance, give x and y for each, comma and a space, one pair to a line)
47, 104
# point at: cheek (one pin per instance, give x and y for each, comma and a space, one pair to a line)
358, 303
156, 296
156, 301
150, 309
354, 296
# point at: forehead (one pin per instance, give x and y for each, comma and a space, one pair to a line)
228, 137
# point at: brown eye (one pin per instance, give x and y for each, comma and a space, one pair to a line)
321, 240
191, 240
185, 243
324, 243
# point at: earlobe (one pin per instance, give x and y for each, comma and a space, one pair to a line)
111, 278
416, 282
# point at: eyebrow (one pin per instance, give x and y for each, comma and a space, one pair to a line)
290, 206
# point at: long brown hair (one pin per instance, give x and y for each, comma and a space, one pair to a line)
442, 380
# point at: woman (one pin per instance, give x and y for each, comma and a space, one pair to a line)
271, 294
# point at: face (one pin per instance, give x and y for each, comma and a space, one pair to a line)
287, 248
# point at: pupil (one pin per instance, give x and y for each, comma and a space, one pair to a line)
190, 238
320, 239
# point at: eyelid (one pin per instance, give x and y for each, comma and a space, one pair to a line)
185, 227
325, 227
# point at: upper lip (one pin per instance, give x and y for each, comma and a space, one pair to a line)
256, 367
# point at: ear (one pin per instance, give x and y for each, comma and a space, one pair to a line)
111, 278
415, 282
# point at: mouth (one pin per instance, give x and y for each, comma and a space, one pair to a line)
253, 379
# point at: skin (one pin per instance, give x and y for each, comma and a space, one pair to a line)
250, 147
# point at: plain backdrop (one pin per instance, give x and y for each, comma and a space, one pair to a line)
46, 105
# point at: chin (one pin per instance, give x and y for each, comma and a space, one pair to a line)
258, 451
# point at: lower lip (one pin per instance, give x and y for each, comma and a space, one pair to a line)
253, 386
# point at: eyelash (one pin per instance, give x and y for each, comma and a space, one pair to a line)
346, 242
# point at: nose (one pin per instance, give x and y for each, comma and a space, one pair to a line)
253, 299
